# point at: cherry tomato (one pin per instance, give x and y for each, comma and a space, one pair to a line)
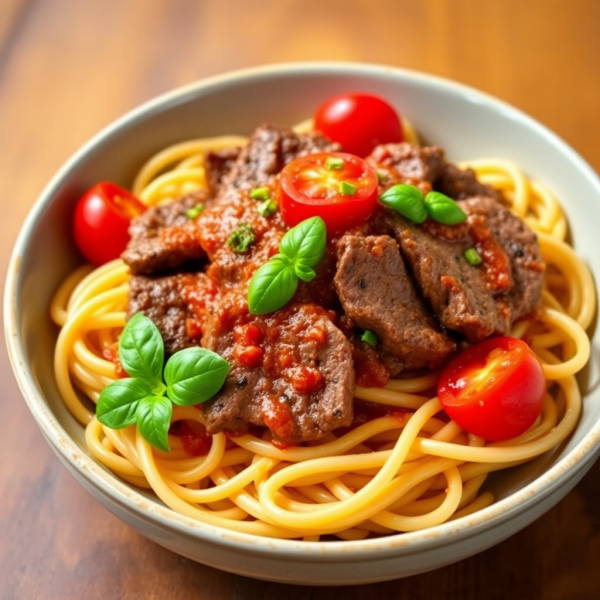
359, 122
340, 188
101, 222
494, 389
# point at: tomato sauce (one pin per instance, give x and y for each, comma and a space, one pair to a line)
498, 271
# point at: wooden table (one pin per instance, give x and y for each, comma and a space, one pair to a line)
69, 67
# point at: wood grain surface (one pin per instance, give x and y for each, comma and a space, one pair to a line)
69, 67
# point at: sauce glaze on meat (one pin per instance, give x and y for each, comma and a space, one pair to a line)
294, 370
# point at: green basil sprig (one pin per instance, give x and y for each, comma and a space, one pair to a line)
191, 376
409, 202
443, 209
406, 200
274, 284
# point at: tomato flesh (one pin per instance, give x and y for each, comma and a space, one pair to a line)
494, 389
101, 222
359, 122
308, 188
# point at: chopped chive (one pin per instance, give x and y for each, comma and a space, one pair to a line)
473, 257
260, 193
195, 211
241, 238
369, 338
347, 188
381, 177
334, 163
267, 208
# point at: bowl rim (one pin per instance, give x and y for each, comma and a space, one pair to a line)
128, 498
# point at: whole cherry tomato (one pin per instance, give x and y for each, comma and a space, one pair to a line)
359, 122
101, 222
494, 389
340, 188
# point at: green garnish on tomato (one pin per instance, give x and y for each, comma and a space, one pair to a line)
343, 197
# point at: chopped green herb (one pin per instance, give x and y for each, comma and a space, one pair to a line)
381, 177
334, 163
369, 338
195, 211
347, 188
267, 208
473, 257
241, 238
261, 193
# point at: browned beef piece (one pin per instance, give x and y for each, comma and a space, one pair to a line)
521, 246
456, 291
164, 237
462, 183
217, 164
414, 162
418, 164
302, 387
169, 300
377, 294
269, 150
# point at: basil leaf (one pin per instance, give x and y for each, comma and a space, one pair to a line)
406, 200
306, 242
153, 419
194, 375
443, 209
141, 349
118, 402
272, 286
303, 272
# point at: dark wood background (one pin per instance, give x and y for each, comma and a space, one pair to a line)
69, 67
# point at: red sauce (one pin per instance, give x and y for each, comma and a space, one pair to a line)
496, 263
194, 439
277, 416
111, 353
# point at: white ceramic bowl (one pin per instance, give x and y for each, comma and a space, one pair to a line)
468, 124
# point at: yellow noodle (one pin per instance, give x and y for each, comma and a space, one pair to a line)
394, 473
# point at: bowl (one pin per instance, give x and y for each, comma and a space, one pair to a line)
468, 124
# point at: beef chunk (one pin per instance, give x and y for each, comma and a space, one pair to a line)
520, 245
462, 183
179, 305
164, 237
217, 164
412, 162
456, 291
377, 294
300, 384
269, 150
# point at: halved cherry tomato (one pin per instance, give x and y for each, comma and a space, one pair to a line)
338, 187
101, 221
494, 389
359, 122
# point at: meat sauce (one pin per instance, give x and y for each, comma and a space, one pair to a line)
280, 360
495, 261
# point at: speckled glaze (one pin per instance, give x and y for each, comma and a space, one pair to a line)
468, 124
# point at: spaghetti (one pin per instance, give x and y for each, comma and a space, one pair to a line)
400, 472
